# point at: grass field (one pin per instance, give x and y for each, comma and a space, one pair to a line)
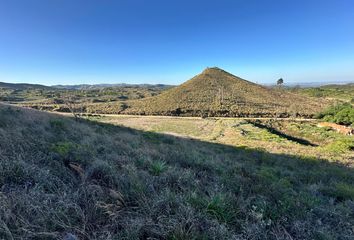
215, 179
299, 137
162, 177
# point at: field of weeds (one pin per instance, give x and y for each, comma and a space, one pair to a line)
93, 180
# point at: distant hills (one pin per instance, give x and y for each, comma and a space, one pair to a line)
215, 92
22, 86
101, 86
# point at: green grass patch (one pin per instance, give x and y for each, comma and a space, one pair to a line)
340, 146
64, 149
341, 191
157, 167
57, 124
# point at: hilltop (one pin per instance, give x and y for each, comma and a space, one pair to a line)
61, 177
216, 92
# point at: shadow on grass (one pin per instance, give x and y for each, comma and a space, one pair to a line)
173, 187
283, 135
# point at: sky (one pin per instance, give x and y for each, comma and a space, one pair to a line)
163, 41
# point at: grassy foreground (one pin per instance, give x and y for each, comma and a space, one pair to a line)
99, 181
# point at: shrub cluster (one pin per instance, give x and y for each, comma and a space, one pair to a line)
341, 114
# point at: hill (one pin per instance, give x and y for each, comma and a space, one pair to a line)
61, 177
22, 86
216, 92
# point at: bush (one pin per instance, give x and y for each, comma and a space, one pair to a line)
64, 149
341, 114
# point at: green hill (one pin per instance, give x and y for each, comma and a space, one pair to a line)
216, 92
60, 177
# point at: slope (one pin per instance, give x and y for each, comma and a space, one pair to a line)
62, 178
216, 92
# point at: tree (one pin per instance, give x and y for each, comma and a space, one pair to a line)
280, 82
72, 103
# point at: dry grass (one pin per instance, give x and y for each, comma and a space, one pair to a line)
146, 185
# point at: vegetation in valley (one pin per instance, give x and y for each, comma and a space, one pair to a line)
338, 92
341, 114
94, 99
93, 180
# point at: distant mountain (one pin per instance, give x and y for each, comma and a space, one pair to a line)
216, 92
22, 86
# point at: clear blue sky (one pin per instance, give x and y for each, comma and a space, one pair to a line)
161, 41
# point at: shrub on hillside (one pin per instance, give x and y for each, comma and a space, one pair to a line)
64, 149
341, 114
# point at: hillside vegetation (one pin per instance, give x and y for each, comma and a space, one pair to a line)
341, 114
94, 99
61, 177
215, 92
338, 92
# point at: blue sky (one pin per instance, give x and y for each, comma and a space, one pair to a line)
161, 41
